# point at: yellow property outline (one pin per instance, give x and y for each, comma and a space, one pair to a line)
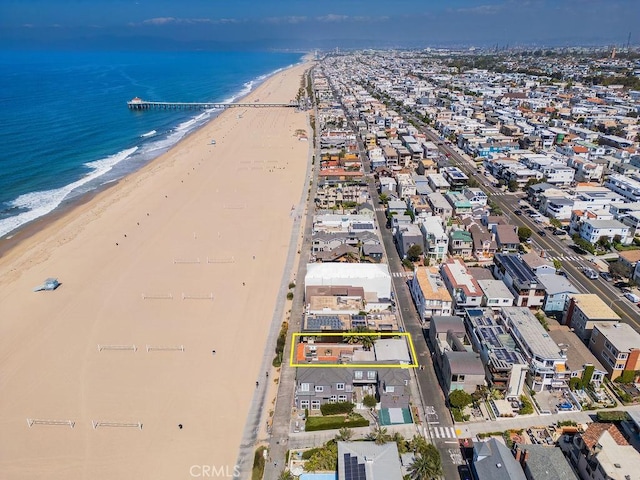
412, 350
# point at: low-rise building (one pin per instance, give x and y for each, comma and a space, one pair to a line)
476, 197
507, 239
540, 462
558, 289
367, 460
579, 358
547, 362
583, 310
406, 236
463, 288
495, 294
436, 241
460, 244
430, 293
594, 230
505, 367
440, 206
492, 460
462, 371
521, 281
625, 186
603, 453
617, 346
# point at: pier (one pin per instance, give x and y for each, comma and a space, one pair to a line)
139, 104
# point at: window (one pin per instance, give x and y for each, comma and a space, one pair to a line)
333, 399
339, 386
304, 403
304, 387
371, 375
315, 404
389, 389
319, 388
357, 375
342, 398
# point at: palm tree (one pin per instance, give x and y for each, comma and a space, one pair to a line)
344, 434
379, 436
418, 444
426, 467
285, 475
366, 341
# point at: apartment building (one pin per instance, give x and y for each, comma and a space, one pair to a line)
436, 241
625, 186
430, 293
582, 311
463, 288
594, 230
521, 281
617, 346
547, 362
506, 369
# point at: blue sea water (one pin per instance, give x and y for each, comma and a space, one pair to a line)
65, 128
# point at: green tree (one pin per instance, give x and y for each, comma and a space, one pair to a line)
460, 399
512, 186
524, 233
426, 466
557, 264
603, 242
527, 406
367, 341
384, 198
400, 442
344, 434
418, 444
555, 222
379, 436
326, 458
369, 401
414, 252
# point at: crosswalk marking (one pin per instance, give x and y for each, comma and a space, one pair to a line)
443, 432
402, 274
572, 258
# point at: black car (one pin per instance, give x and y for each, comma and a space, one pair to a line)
517, 212
542, 233
561, 273
578, 249
559, 232
621, 284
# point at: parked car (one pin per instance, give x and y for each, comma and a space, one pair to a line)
591, 274
607, 276
542, 233
561, 273
632, 297
559, 232
621, 285
578, 249
517, 212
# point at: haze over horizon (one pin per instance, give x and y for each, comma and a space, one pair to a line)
306, 24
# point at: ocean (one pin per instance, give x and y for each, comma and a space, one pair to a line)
65, 128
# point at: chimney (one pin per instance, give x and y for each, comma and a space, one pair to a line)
518, 454
524, 459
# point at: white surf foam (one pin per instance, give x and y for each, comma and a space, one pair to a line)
38, 204
149, 134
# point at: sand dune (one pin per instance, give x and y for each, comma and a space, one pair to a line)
158, 260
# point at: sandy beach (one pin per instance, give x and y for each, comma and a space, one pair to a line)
178, 260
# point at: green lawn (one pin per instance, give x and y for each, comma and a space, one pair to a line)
334, 422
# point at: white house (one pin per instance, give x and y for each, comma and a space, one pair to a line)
476, 197
593, 230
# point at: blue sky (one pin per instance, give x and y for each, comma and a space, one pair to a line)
305, 24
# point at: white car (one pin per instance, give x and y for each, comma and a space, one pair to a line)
590, 273
632, 296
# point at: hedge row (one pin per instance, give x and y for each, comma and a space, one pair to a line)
336, 408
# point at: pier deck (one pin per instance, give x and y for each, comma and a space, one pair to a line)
139, 104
